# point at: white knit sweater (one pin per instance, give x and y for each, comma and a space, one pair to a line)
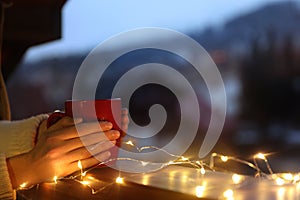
16, 137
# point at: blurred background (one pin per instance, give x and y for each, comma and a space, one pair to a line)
254, 43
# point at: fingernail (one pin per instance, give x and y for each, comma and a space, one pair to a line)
108, 124
107, 154
77, 120
116, 134
114, 141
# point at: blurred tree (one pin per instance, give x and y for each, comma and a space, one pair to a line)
271, 88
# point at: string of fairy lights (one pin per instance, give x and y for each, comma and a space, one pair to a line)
199, 165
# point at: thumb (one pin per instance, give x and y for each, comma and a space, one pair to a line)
41, 130
65, 122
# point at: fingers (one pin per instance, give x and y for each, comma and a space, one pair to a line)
124, 111
100, 137
43, 126
82, 129
125, 119
101, 147
91, 127
112, 134
65, 122
41, 130
91, 139
82, 153
92, 161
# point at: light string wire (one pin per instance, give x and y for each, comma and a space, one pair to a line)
199, 165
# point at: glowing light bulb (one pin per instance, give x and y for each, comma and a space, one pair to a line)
236, 178
296, 178
90, 177
200, 189
202, 170
79, 164
228, 194
260, 156
171, 162
119, 180
83, 173
144, 163
184, 158
129, 142
23, 185
55, 179
85, 182
288, 176
224, 158
279, 181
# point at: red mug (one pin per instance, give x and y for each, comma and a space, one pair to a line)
93, 110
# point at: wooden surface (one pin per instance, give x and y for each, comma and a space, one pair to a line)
173, 182
108, 189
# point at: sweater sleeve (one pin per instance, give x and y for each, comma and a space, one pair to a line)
6, 190
16, 137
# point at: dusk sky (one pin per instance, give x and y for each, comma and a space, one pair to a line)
88, 23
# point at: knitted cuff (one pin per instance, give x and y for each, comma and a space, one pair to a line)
6, 190
19, 135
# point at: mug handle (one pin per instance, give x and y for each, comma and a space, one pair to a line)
55, 117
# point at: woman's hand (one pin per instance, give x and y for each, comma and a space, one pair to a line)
125, 120
59, 148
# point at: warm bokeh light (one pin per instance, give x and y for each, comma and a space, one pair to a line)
145, 180
202, 171
79, 164
224, 158
260, 156
129, 142
184, 178
55, 179
288, 176
184, 158
23, 185
85, 182
296, 178
236, 178
171, 162
144, 163
200, 189
280, 194
83, 173
90, 177
279, 181
228, 194
119, 180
